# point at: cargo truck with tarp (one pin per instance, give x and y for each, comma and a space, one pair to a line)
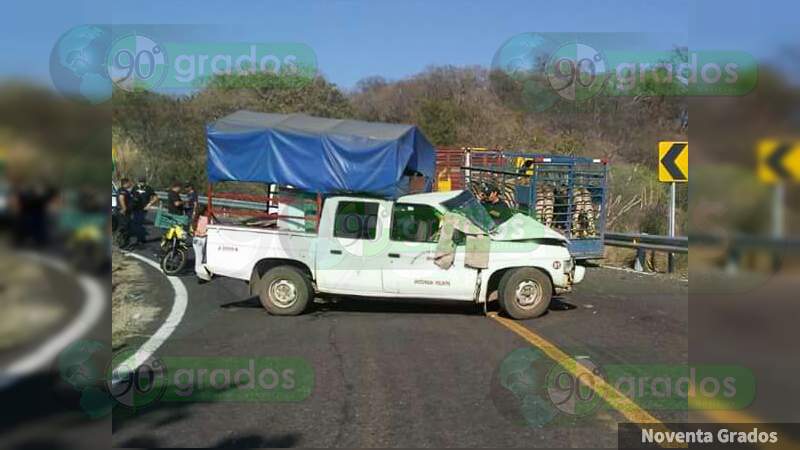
363, 221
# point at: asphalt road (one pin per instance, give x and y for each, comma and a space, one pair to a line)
411, 373
41, 410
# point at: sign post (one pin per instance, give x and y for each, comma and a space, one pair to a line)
670, 257
778, 162
778, 194
673, 167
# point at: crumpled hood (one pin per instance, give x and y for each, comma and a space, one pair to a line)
521, 228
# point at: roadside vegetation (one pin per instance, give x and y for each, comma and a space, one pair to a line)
454, 106
163, 137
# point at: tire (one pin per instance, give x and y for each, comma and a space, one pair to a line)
174, 261
285, 291
525, 293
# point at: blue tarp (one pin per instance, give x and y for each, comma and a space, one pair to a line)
318, 155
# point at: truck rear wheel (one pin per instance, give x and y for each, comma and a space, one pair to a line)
284, 291
525, 293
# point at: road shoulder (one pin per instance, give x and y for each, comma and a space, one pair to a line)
141, 299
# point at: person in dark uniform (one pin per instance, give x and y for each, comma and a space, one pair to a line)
174, 203
89, 201
143, 196
497, 209
125, 205
191, 199
30, 205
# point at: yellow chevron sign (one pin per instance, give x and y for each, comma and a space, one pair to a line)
778, 160
673, 162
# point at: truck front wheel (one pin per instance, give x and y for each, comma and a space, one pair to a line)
284, 291
525, 293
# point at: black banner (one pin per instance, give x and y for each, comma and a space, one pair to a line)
709, 435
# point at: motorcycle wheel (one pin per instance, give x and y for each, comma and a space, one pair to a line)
173, 261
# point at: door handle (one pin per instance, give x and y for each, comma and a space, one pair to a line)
393, 255
429, 256
336, 252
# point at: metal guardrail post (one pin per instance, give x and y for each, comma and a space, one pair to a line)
732, 261
640, 263
670, 255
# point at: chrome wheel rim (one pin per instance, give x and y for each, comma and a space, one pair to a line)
528, 294
283, 293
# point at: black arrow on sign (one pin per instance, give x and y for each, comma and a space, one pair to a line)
775, 160
668, 161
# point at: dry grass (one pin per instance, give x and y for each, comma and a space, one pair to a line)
130, 311
28, 302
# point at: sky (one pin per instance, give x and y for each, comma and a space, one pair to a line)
354, 39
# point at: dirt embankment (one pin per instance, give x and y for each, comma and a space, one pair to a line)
130, 310
29, 304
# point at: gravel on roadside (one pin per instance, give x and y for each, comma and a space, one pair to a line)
130, 311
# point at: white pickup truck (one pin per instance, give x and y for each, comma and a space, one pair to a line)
382, 248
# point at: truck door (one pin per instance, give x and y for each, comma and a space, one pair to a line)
410, 269
349, 247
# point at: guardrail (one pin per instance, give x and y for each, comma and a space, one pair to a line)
648, 242
643, 242
224, 202
630, 240
746, 241
736, 244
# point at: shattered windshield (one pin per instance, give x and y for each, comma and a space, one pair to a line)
467, 205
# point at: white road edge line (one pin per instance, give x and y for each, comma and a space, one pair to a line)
91, 312
163, 333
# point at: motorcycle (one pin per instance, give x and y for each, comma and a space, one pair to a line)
88, 246
175, 244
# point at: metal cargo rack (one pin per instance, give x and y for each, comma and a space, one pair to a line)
565, 193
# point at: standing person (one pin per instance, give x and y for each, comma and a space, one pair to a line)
174, 203
143, 197
125, 205
191, 200
30, 205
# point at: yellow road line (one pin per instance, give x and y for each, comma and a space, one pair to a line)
719, 412
608, 393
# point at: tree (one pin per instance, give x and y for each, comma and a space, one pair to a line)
438, 120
